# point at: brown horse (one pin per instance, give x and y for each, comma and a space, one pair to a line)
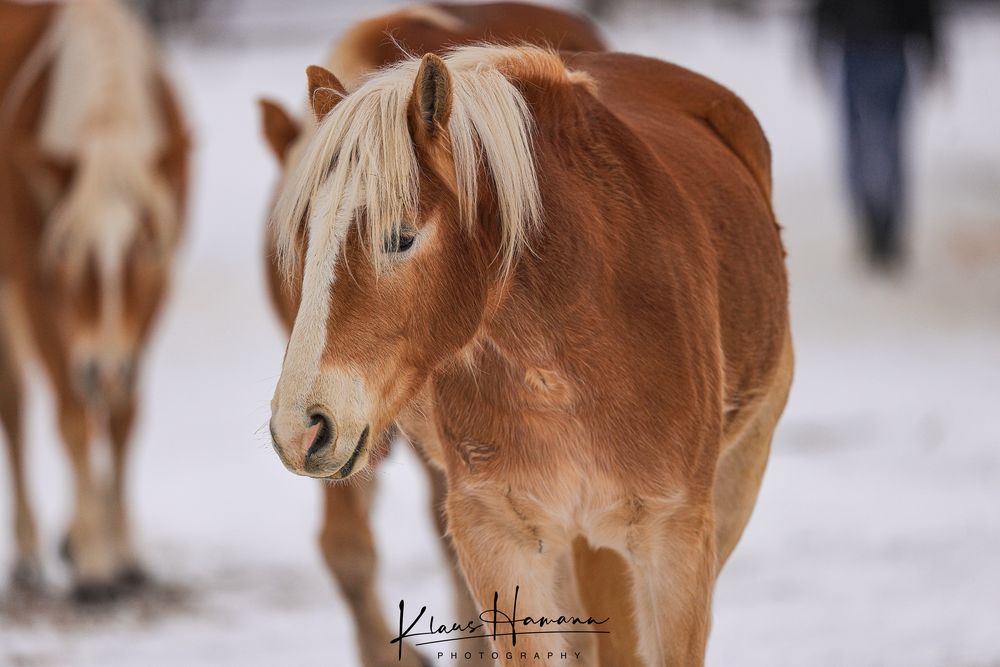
563, 278
346, 539
93, 161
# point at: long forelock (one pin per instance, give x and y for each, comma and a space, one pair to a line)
363, 157
102, 114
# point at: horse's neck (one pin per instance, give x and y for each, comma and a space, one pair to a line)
528, 337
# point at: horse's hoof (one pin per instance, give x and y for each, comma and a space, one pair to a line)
27, 578
94, 593
132, 578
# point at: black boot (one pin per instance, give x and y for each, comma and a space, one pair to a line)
883, 245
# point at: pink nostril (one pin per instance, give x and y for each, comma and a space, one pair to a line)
318, 437
309, 437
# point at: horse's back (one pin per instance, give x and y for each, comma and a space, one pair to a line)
534, 24
644, 91
434, 28
712, 148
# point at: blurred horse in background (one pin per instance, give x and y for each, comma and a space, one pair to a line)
346, 539
561, 276
93, 179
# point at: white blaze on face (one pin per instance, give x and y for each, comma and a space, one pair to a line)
111, 260
304, 355
110, 346
305, 385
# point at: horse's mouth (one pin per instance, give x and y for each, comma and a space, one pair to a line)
348, 468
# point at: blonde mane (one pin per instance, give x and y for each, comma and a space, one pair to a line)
101, 115
361, 159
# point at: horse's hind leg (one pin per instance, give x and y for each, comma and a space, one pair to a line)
742, 463
349, 550
129, 572
27, 573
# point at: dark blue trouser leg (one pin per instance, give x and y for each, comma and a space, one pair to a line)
874, 85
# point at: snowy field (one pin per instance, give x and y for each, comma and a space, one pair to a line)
876, 540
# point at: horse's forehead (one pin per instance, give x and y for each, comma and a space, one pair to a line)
104, 239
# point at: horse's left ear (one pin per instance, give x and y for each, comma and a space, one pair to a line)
279, 128
430, 103
325, 90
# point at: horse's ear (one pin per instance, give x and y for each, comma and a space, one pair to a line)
325, 90
279, 128
430, 103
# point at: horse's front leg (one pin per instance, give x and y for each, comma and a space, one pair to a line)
465, 606
672, 557
505, 549
87, 546
129, 572
27, 571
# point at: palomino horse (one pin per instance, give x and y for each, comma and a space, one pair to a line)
93, 160
562, 277
346, 538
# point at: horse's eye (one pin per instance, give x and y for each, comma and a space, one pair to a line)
400, 242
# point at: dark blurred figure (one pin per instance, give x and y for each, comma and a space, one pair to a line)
165, 14
597, 8
874, 39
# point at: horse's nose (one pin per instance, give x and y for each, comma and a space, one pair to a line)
305, 450
105, 381
318, 438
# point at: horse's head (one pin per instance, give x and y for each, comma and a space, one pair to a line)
105, 258
401, 219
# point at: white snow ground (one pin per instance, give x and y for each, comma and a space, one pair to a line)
876, 540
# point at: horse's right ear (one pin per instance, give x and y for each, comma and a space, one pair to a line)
325, 90
279, 128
